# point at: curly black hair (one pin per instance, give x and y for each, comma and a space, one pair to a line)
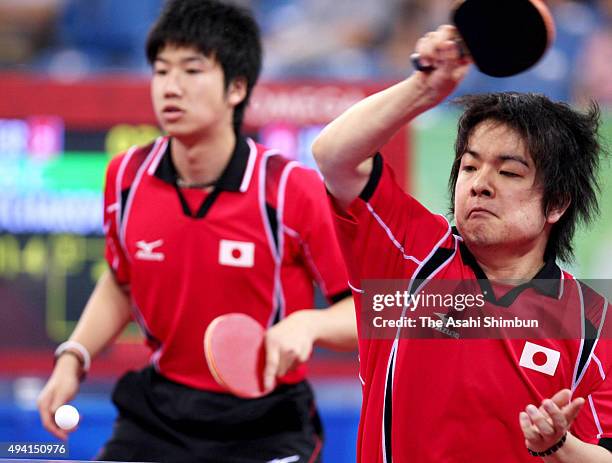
565, 147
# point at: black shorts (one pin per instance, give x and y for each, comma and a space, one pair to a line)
163, 421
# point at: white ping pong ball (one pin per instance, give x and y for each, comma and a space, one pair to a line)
66, 417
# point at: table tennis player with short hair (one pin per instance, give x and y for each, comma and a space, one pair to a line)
203, 222
524, 174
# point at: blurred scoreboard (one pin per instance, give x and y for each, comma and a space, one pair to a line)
56, 139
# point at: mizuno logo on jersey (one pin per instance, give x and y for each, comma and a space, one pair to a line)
540, 358
237, 253
444, 329
146, 251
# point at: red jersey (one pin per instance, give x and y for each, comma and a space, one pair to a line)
250, 245
458, 400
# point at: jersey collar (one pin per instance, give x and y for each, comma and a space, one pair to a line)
546, 282
232, 177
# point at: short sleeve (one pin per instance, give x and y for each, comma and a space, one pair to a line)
310, 218
385, 232
114, 252
594, 422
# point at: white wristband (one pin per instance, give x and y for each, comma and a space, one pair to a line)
80, 348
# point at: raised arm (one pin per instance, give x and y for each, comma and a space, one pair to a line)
344, 148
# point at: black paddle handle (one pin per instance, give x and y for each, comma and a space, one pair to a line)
415, 58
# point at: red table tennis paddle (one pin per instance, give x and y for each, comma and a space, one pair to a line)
235, 352
503, 37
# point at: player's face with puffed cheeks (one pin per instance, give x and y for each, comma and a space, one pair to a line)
189, 95
498, 200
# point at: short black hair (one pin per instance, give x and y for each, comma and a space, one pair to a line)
218, 29
565, 147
